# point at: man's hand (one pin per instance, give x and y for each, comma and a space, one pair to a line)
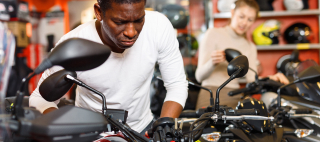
279, 77
218, 56
49, 110
171, 109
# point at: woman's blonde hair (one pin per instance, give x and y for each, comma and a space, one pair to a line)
251, 3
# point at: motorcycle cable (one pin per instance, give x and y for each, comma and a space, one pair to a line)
199, 129
136, 134
206, 118
256, 75
125, 132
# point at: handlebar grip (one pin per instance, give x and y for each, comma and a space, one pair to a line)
188, 114
244, 112
238, 91
192, 113
303, 111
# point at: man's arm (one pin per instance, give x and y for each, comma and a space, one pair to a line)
171, 109
36, 100
171, 68
49, 110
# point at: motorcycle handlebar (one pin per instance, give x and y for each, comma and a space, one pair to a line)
242, 117
243, 112
303, 111
192, 113
188, 114
238, 91
304, 115
230, 112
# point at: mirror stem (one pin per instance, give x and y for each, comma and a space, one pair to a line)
104, 108
233, 76
199, 86
18, 110
256, 75
279, 91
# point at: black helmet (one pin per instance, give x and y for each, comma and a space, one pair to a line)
188, 45
288, 63
265, 5
4, 12
298, 33
178, 16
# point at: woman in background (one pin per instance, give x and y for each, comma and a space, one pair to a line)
212, 64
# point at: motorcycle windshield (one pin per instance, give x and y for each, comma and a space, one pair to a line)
304, 65
7, 49
309, 91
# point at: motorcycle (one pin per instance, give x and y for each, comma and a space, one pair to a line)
70, 123
291, 105
253, 126
229, 126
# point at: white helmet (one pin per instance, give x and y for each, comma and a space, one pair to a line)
226, 5
293, 5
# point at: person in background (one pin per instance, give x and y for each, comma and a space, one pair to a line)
212, 64
138, 39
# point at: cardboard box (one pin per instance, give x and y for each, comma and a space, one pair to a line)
19, 31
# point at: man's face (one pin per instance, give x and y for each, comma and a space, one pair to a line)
123, 23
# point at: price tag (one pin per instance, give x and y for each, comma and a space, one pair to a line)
303, 46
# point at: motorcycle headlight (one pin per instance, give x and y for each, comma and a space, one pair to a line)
212, 137
300, 133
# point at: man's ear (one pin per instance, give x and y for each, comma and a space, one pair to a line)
97, 11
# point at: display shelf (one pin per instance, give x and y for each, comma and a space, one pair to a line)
301, 46
224, 15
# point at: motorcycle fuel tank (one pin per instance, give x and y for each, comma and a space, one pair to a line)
257, 125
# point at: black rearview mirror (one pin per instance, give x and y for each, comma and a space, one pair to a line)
55, 86
239, 62
231, 54
76, 55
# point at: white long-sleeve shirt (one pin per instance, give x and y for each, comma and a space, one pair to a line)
125, 77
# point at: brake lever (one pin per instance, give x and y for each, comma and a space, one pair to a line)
177, 132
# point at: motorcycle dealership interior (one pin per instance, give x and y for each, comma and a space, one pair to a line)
249, 70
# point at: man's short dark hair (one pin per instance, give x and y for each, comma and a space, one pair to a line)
106, 4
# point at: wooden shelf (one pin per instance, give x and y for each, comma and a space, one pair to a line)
224, 15
302, 46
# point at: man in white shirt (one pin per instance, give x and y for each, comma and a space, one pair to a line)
138, 39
